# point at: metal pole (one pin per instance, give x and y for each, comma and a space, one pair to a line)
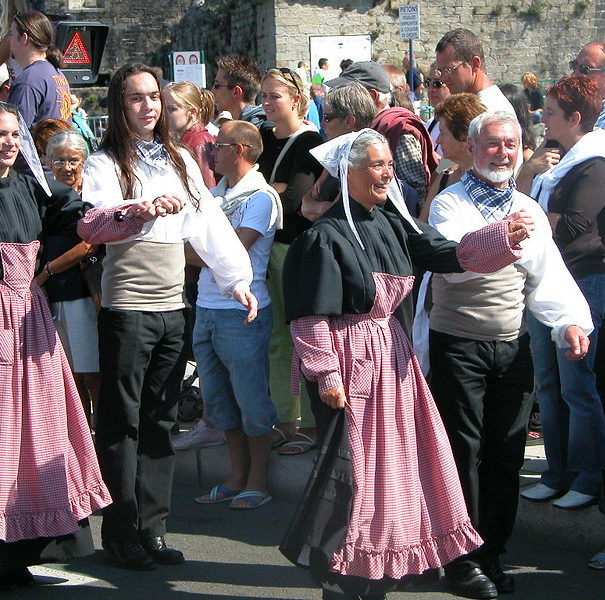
411, 71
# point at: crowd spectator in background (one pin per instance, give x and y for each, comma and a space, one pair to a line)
287, 166
573, 422
411, 144
189, 110
41, 132
232, 356
518, 101
437, 92
345, 63
413, 77
71, 304
236, 86
399, 87
303, 70
320, 73
41, 91
534, 96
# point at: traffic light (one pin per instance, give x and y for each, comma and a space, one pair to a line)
82, 44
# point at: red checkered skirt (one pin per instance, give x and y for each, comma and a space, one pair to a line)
49, 475
408, 512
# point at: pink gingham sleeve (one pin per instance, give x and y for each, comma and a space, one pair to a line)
487, 249
99, 225
315, 351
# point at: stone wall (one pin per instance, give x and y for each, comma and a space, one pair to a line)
519, 35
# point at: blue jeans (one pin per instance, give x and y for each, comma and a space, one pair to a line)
233, 367
573, 422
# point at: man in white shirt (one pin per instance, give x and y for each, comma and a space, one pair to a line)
232, 356
479, 349
461, 66
141, 322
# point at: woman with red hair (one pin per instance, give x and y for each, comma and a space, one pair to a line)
571, 193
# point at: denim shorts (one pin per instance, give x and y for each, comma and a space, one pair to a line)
233, 367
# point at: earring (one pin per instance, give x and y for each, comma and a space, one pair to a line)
293, 107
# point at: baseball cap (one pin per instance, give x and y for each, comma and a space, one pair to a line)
369, 73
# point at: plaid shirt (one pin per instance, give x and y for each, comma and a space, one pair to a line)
409, 166
153, 153
493, 203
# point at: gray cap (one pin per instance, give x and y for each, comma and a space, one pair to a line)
369, 73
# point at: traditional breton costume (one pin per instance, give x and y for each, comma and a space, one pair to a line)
49, 476
384, 500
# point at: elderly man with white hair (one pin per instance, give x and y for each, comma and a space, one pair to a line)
479, 349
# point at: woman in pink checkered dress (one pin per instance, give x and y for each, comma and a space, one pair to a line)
49, 476
384, 501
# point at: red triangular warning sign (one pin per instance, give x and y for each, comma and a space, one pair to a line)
76, 52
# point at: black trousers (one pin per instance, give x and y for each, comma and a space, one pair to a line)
480, 390
138, 352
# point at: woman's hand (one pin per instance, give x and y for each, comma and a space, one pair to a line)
334, 397
520, 224
168, 204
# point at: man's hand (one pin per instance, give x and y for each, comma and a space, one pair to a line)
579, 342
334, 397
247, 299
168, 205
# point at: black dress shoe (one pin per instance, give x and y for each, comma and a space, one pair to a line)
473, 583
158, 550
129, 555
505, 584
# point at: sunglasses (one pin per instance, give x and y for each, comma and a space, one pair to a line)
447, 70
584, 69
331, 116
225, 144
18, 19
286, 71
434, 83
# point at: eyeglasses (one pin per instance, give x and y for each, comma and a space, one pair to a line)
434, 83
72, 162
224, 144
584, 69
331, 116
286, 71
439, 73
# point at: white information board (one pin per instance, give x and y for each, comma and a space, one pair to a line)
336, 48
409, 22
187, 66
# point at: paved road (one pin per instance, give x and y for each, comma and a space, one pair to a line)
232, 555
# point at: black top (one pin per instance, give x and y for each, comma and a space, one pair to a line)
298, 169
28, 214
535, 98
326, 271
580, 232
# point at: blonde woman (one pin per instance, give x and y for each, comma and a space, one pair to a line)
189, 110
291, 170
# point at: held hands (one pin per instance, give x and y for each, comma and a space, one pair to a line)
579, 342
248, 300
334, 397
520, 224
159, 207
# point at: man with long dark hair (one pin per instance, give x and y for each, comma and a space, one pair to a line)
141, 322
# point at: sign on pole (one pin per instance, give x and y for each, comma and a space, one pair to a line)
188, 66
409, 22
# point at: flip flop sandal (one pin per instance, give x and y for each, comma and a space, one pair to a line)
213, 496
597, 561
298, 446
281, 441
251, 503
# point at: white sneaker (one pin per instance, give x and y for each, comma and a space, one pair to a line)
201, 436
573, 500
540, 493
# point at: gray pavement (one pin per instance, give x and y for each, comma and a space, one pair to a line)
233, 554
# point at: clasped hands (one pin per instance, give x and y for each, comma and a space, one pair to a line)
163, 205
520, 225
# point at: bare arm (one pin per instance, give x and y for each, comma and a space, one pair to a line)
67, 260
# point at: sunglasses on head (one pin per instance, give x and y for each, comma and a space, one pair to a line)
286, 71
17, 19
584, 69
434, 83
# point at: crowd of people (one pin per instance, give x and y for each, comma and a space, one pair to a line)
296, 261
